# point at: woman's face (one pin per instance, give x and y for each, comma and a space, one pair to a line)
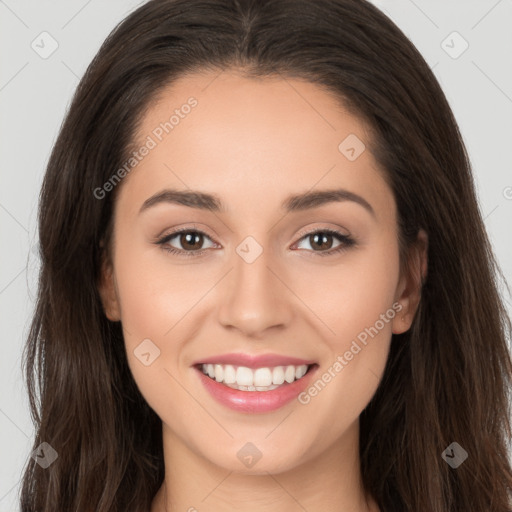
259, 174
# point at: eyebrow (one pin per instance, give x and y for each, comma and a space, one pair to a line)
293, 203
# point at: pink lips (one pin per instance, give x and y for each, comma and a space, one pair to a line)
260, 361
255, 401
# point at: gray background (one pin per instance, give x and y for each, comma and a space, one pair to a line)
35, 93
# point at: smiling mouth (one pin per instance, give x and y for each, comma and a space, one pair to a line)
243, 378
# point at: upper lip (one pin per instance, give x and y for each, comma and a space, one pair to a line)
254, 361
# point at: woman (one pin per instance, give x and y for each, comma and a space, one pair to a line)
266, 284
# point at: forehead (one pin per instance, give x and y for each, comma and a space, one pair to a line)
241, 137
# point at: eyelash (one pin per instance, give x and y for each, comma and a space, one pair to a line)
346, 240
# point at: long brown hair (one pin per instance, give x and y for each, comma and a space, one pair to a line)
447, 379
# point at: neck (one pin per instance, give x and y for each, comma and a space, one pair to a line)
329, 481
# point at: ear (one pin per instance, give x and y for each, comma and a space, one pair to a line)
410, 283
107, 288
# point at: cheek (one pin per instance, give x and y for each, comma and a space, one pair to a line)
356, 301
154, 294
351, 295
155, 304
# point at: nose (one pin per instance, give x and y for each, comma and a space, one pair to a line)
254, 298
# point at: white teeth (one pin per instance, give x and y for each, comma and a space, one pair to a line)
219, 373
259, 379
278, 375
300, 371
229, 374
263, 377
289, 374
244, 376
252, 388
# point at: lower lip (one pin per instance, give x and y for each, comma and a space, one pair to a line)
256, 401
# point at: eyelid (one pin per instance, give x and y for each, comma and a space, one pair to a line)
304, 232
192, 227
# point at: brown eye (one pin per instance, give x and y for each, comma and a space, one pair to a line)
322, 242
189, 242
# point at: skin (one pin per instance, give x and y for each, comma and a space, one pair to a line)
253, 143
